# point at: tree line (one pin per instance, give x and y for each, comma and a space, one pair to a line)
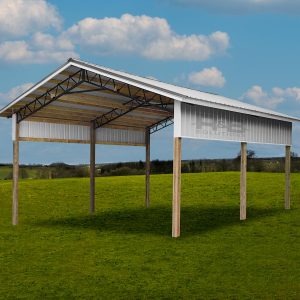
62, 170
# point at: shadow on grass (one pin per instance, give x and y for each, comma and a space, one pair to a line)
157, 220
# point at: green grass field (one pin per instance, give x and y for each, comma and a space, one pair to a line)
126, 251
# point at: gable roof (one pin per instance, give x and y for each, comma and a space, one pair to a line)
167, 90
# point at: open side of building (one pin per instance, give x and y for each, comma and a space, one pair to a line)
87, 103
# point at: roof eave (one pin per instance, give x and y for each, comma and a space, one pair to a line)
180, 97
164, 92
37, 85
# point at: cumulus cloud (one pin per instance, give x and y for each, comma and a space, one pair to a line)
293, 92
42, 48
271, 99
13, 93
150, 37
247, 6
22, 17
211, 77
47, 41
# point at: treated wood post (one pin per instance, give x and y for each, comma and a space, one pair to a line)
15, 203
92, 167
176, 187
148, 164
287, 195
243, 182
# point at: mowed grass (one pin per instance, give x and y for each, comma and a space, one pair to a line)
125, 251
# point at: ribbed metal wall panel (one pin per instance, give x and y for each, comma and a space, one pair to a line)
123, 136
217, 124
71, 132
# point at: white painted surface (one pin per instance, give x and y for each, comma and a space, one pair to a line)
169, 90
177, 119
69, 132
13, 127
181, 94
215, 124
124, 136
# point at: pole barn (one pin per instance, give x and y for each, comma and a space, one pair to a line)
87, 103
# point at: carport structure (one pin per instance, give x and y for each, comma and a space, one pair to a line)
86, 103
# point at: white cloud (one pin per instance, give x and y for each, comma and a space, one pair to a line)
25, 18
193, 47
46, 41
211, 77
13, 93
149, 37
271, 99
293, 92
22, 17
247, 6
42, 48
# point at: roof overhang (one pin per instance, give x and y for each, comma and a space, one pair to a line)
80, 92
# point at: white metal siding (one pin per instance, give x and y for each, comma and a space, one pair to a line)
71, 132
177, 119
123, 136
217, 124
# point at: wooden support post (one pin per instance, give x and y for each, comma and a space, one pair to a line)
243, 182
148, 164
15, 203
176, 187
287, 177
92, 167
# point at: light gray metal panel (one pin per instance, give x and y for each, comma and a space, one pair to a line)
42, 130
71, 132
216, 124
123, 136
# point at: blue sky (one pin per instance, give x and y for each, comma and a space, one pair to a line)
247, 50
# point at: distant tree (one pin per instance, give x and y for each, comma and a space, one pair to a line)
23, 173
81, 172
250, 154
294, 154
9, 176
43, 173
141, 165
185, 168
58, 164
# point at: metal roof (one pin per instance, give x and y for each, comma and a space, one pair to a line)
84, 105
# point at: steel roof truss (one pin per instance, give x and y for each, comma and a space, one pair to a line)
50, 95
161, 124
134, 102
138, 98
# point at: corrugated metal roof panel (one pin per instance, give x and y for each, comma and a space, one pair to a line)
178, 93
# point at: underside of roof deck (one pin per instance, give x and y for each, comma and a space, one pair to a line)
78, 96
81, 95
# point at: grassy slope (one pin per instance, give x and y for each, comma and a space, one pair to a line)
125, 251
